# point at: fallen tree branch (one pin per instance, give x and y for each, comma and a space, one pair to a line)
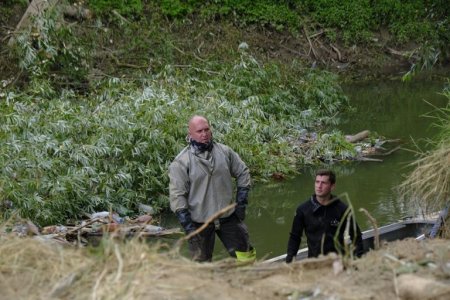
406, 54
317, 34
311, 47
122, 18
386, 153
210, 220
199, 58
294, 51
370, 159
197, 69
393, 141
81, 226
127, 65
337, 51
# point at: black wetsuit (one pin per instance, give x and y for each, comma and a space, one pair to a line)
320, 224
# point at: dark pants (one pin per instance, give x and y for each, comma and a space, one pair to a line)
232, 232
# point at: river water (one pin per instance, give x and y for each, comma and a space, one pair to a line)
392, 109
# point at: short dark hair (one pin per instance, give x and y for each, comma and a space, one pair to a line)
326, 172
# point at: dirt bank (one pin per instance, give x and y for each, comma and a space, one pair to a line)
32, 269
196, 41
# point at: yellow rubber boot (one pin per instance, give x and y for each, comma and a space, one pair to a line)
249, 256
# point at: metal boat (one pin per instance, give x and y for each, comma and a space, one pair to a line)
417, 228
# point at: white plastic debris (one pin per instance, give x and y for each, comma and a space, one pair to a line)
153, 228
100, 214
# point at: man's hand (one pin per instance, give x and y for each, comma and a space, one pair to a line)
241, 202
184, 216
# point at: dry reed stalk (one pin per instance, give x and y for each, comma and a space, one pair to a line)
428, 185
372, 220
31, 269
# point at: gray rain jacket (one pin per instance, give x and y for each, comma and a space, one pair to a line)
203, 183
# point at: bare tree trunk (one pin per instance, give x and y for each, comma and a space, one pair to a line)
35, 7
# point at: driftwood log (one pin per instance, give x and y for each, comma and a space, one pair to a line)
357, 137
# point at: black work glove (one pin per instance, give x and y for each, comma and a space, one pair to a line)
241, 202
184, 216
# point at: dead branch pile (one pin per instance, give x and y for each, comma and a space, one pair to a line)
98, 225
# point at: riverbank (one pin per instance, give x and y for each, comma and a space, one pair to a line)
36, 269
97, 109
128, 44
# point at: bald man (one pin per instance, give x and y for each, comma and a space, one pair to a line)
201, 184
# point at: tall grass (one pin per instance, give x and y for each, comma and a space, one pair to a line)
427, 187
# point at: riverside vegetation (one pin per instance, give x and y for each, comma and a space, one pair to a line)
93, 108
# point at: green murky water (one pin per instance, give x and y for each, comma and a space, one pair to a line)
391, 108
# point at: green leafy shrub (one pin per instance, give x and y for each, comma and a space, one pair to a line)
43, 55
406, 20
177, 8
123, 7
64, 155
354, 18
276, 14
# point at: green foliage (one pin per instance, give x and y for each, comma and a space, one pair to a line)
355, 21
406, 19
324, 98
62, 159
354, 18
7, 8
442, 119
177, 8
123, 7
276, 14
331, 146
50, 52
425, 58
64, 155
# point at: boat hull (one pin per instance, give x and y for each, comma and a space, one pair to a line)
409, 228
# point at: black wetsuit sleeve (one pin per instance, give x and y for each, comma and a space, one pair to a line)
295, 236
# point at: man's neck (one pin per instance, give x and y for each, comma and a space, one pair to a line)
325, 200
